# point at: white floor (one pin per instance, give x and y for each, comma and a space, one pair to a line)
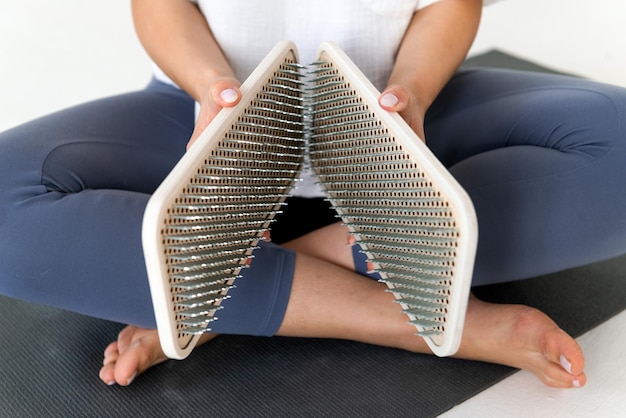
584, 38
522, 395
56, 54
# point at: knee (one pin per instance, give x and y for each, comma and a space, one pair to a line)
259, 299
19, 181
583, 121
20, 166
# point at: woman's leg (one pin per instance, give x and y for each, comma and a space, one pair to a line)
331, 301
351, 306
522, 145
542, 158
73, 190
73, 187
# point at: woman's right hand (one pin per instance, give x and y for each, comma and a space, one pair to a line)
223, 92
175, 34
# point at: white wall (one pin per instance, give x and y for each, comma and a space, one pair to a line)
585, 37
54, 54
57, 53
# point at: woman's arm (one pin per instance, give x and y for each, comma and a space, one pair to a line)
434, 46
177, 37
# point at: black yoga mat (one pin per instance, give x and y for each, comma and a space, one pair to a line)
49, 359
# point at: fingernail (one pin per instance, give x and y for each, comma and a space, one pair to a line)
111, 383
576, 383
565, 364
389, 100
229, 95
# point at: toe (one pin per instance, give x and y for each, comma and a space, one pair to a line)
111, 354
554, 375
126, 336
135, 350
127, 365
564, 351
141, 354
563, 360
107, 374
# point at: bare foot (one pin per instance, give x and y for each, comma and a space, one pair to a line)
329, 300
135, 351
512, 335
525, 338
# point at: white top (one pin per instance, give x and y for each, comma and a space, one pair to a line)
369, 31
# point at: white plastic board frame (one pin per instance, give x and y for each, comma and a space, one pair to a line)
245, 163
395, 197
416, 225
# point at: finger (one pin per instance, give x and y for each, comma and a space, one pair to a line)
229, 97
225, 93
394, 99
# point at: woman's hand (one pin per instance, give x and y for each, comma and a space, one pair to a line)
399, 99
434, 45
223, 92
178, 39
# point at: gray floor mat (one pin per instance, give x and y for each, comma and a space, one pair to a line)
50, 358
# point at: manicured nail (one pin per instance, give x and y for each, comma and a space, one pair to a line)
389, 100
111, 383
576, 383
130, 380
565, 364
229, 95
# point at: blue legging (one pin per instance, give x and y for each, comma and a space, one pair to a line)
542, 157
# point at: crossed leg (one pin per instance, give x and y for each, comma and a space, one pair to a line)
329, 300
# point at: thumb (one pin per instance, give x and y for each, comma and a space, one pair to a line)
398, 99
394, 99
225, 93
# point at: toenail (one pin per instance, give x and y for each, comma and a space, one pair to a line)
566, 364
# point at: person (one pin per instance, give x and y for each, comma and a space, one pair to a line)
541, 157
